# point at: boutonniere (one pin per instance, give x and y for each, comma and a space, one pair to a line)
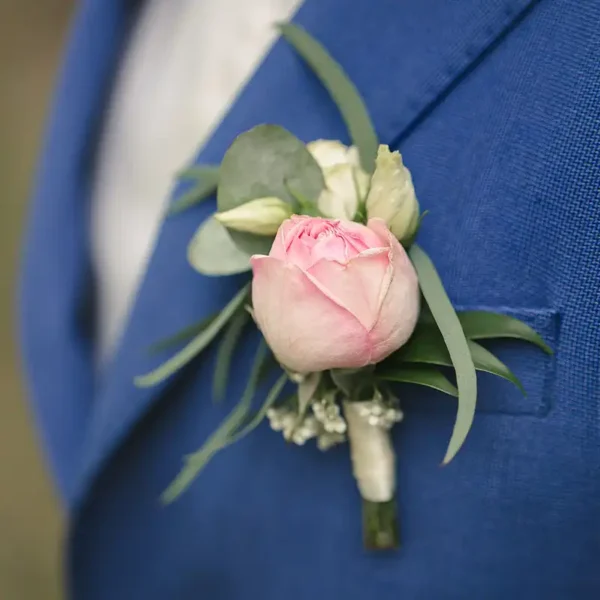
348, 304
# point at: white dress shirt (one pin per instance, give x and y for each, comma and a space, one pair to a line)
185, 63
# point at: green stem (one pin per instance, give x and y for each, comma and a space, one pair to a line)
380, 525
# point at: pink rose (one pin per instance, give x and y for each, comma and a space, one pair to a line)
334, 294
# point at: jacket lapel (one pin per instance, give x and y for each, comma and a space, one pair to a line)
54, 294
404, 56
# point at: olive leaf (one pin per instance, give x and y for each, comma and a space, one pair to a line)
206, 179
454, 337
418, 375
196, 346
194, 463
183, 335
484, 325
427, 346
258, 418
341, 89
230, 339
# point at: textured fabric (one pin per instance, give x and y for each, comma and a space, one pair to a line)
183, 66
494, 106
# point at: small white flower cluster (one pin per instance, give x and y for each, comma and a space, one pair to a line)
328, 413
379, 412
328, 428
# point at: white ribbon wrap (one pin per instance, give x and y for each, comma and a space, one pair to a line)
373, 458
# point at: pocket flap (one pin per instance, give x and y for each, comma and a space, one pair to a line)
532, 366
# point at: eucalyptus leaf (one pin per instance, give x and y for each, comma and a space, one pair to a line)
194, 463
181, 336
196, 346
426, 346
229, 341
483, 325
266, 161
206, 178
456, 342
341, 89
427, 376
197, 172
213, 252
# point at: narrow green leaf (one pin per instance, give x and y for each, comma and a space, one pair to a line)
213, 252
194, 463
456, 342
341, 89
181, 336
196, 346
426, 346
484, 360
483, 325
426, 376
206, 178
231, 336
356, 384
262, 412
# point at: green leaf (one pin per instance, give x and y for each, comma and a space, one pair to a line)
212, 251
342, 91
206, 179
482, 325
227, 347
196, 346
456, 342
181, 336
426, 376
194, 463
266, 161
197, 172
426, 346
356, 384
262, 412
484, 360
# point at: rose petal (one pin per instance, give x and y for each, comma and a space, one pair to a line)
356, 285
306, 330
402, 294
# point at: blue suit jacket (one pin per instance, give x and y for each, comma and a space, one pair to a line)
495, 105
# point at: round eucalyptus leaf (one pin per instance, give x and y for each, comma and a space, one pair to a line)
213, 252
267, 161
251, 243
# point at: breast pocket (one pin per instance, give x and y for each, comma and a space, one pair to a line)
533, 367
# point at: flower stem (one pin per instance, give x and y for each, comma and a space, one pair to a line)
380, 525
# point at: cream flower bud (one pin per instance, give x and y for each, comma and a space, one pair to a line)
392, 194
345, 181
262, 216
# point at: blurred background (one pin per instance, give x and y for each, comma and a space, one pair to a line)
32, 34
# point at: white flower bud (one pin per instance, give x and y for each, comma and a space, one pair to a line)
392, 194
345, 181
262, 216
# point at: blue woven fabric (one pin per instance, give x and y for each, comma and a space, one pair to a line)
494, 105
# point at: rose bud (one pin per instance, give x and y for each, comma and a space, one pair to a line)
334, 294
392, 195
346, 183
262, 216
